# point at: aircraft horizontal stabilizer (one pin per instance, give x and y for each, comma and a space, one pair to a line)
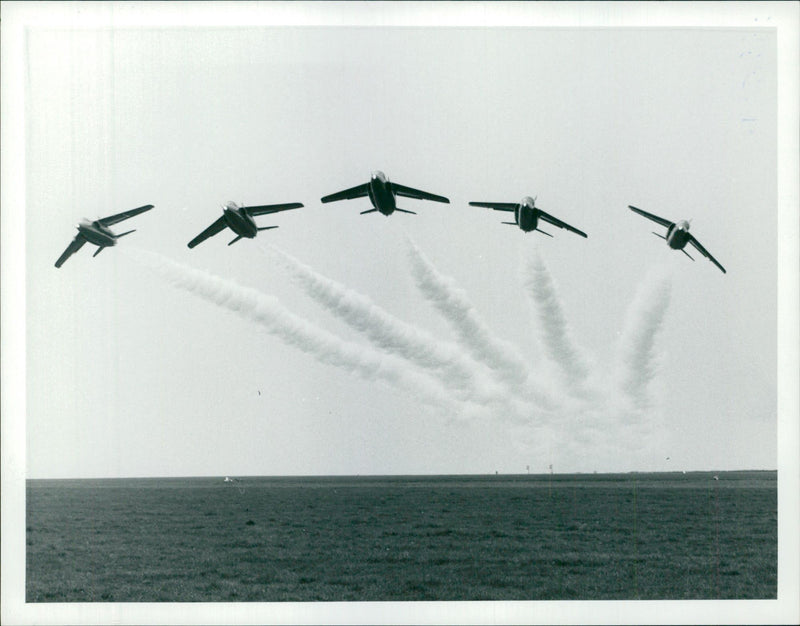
127, 232
266, 227
538, 230
98, 251
235, 240
404, 210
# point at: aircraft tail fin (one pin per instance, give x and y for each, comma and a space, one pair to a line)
687, 254
127, 232
404, 210
98, 251
235, 240
266, 227
538, 230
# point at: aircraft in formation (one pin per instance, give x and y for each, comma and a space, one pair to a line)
240, 220
99, 233
678, 236
527, 216
382, 194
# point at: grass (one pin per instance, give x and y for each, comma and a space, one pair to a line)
440, 538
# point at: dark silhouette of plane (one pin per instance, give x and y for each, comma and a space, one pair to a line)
381, 193
527, 216
240, 220
99, 233
678, 236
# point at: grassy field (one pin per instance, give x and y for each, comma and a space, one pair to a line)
621, 536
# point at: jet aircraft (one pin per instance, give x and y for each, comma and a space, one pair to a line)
527, 216
99, 233
381, 193
678, 236
240, 220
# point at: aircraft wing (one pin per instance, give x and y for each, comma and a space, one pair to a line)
271, 208
705, 253
410, 192
72, 248
348, 194
650, 216
113, 219
497, 206
557, 222
216, 227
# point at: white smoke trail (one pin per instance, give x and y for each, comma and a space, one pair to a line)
443, 359
637, 353
295, 331
556, 335
380, 327
501, 357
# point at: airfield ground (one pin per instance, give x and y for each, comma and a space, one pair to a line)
605, 536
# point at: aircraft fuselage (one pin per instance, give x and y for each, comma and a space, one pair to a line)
381, 194
527, 215
678, 235
96, 233
239, 220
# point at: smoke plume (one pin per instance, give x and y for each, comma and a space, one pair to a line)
444, 360
555, 335
506, 363
295, 331
637, 354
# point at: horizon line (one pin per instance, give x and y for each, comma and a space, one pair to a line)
433, 475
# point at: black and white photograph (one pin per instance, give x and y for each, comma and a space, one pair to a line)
400, 312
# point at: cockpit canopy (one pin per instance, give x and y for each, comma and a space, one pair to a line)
379, 175
231, 205
683, 225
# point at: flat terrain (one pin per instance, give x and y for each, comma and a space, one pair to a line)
583, 536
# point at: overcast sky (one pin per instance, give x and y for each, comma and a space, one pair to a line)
129, 375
